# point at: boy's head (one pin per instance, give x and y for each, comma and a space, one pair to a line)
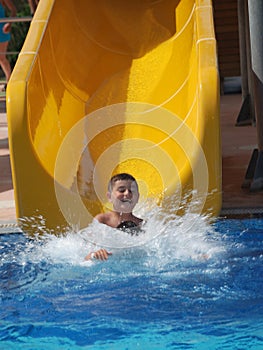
123, 192
121, 176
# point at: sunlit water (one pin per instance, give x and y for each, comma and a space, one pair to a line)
182, 284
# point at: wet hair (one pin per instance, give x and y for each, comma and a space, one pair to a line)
121, 176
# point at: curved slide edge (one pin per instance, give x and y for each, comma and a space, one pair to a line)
105, 87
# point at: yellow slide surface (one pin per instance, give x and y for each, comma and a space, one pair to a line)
111, 86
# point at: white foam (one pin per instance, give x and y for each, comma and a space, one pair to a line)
165, 238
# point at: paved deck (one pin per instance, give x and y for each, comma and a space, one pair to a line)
238, 144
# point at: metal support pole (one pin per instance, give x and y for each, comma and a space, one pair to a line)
247, 112
255, 10
243, 46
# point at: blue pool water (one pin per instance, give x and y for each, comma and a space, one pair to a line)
198, 287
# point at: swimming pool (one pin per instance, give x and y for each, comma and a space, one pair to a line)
185, 289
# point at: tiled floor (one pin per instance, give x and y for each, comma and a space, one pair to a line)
237, 146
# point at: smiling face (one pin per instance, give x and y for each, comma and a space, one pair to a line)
124, 195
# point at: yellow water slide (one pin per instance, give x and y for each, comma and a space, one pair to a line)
111, 86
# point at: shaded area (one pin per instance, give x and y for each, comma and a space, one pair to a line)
6, 178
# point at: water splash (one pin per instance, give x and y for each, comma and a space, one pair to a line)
165, 238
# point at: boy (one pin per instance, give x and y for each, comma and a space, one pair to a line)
123, 193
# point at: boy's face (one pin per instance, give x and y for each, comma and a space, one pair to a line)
124, 195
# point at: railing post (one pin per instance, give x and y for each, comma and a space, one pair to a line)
255, 10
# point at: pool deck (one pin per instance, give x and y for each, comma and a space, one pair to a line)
238, 144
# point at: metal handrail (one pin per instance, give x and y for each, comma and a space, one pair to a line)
16, 19
13, 20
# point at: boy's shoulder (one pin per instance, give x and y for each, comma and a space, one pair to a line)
104, 218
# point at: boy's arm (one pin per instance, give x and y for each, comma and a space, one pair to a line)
101, 254
10, 5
